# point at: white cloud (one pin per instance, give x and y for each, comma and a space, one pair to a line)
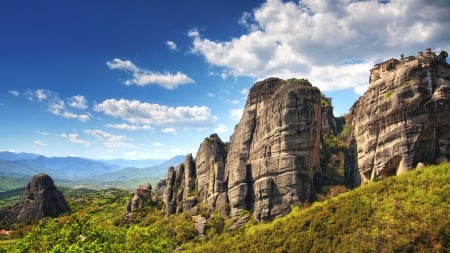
332, 43
14, 92
42, 133
78, 101
172, 45
158, 144
56, 105
137, 112
142, 77
75, 139
39, 143
244, 92
42, 95
233, 102
210, 94
236, 114
221, 129
130, 127
110, 140
169, 130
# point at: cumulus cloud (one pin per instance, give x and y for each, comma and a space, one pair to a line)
14, 92
236, 114
331, 43
169, 130
75, 139
56, 105
158, 144
39, 143
109, 140
137, 112
42, 133
172, 45
130, 127
78, 101
221, 129
142, 77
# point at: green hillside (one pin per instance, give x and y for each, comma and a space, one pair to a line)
408, 213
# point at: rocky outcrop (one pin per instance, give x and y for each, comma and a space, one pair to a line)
274, 150
141, 197
198, 181
210, 167
41, 199
403, 118
269, 163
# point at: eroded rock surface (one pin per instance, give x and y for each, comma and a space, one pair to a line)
403, 119
41, 199
275, 148
269, 163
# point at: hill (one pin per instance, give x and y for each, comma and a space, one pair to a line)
407, 213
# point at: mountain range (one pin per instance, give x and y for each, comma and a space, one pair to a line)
75, 171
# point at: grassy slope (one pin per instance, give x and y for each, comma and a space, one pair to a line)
410, 213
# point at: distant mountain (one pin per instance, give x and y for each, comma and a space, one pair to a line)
145, 163
70, 167
16, 169
12, 156
132, 173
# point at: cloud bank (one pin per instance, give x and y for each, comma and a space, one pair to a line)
332, 43
137, 112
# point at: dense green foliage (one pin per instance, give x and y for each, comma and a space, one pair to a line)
407, 213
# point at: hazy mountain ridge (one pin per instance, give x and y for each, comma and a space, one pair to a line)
72, 171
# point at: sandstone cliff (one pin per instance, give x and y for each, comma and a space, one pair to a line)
274, 150
403, 119
269, 163
41, 199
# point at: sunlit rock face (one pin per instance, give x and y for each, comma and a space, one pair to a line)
403, 119
269, 164
275, 148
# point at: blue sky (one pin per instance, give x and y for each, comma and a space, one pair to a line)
152, 79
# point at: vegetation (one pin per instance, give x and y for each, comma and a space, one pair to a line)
301, 81
406, 213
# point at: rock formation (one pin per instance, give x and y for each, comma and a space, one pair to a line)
275, 148
142, 195
41, 199
269, 164
403, 118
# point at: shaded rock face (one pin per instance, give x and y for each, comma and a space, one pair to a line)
275, 148
403, 118
198, 181
41, 199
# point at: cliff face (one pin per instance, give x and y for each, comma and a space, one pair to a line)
403, 118
41, 199
274, 150
269, 163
